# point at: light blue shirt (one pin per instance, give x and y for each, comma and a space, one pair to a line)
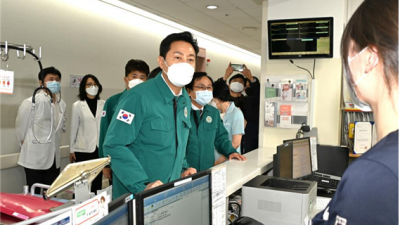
234, 124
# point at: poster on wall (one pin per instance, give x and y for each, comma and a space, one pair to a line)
75, 81
301, 90
6, 82
270, 120
286, 116
286, 90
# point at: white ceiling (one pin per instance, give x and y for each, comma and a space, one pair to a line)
225, 22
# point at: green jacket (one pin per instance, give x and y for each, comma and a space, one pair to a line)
142, 137
108, 112
210, 134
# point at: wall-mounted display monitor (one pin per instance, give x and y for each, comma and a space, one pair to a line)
300, 38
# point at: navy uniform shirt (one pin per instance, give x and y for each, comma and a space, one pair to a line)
368, 191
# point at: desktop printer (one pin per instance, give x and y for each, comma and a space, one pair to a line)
278, 201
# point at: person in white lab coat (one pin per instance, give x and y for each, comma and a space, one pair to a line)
40, 155
85, 124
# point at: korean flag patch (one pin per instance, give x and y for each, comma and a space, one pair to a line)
125, 116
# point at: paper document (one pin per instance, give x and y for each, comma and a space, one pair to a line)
218, 193
314, 157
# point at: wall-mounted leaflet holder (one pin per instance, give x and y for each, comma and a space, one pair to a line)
288, 101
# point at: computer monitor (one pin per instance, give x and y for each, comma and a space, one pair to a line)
185, 201
120, 212
284, 160
332, 160
301, 157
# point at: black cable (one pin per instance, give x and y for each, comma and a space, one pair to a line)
301, 68
313, 72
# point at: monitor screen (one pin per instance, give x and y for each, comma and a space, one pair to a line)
301, 157
284, 155
176, 203
120, 212
332, 160
300, 38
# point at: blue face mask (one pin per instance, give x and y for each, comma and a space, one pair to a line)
54, 86
203, 97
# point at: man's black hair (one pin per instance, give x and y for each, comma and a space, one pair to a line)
198, 76
47, 71
239, 75
184, 36
136, 65
82, 87
221, 90
154, 72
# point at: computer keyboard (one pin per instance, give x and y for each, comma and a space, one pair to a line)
324, 182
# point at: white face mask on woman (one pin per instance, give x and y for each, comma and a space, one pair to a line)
92, 90
358, 103
180, 74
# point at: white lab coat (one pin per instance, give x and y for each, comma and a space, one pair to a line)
34, 155
85, 128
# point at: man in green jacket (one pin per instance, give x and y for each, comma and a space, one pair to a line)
136, 72
208, 131
149, 130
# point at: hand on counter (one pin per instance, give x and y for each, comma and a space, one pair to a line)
107, 172
153, 185
188, 172
237, 156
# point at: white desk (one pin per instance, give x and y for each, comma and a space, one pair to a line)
239, 173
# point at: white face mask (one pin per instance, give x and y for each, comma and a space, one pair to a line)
134, 82
93, 90
236, 87
180, 74
363, 106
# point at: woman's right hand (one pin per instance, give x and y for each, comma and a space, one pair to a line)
72, 157
107, 172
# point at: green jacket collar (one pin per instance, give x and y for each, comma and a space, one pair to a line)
165, 90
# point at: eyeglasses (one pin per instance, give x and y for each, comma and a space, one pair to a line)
203, 88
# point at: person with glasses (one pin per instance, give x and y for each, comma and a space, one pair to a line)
85, 125
208, 131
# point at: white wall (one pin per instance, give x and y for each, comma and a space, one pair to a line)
327, 71
80, 37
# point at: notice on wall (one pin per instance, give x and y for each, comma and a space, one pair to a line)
362, 137
75, 81
6, 82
